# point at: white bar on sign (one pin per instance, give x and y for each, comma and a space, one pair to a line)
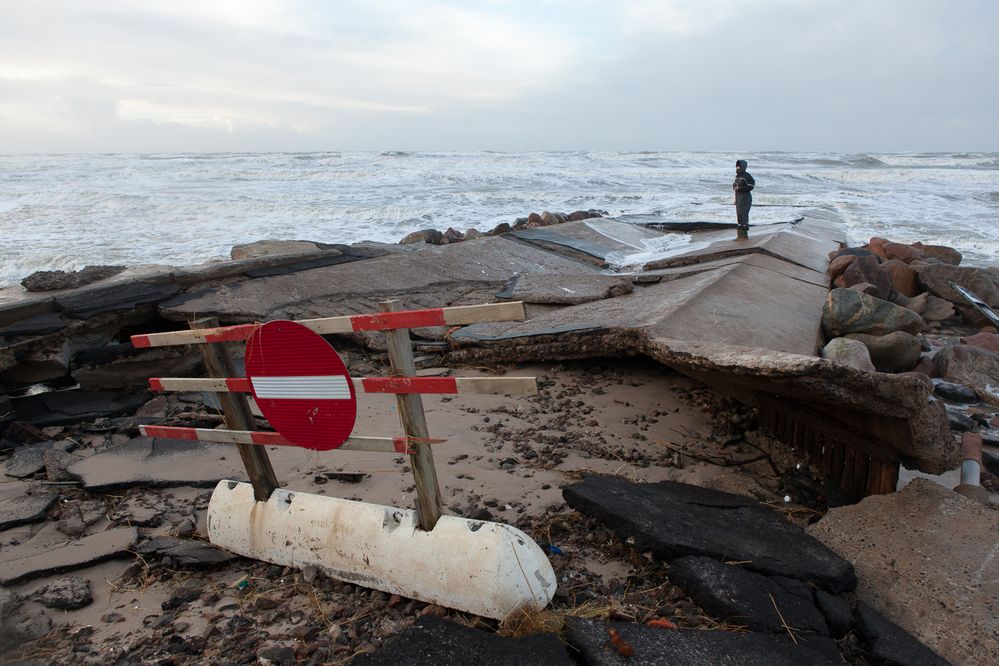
302, 388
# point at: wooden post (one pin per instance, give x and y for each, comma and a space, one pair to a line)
238, 415
429, 504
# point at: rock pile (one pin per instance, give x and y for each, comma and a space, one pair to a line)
532, 221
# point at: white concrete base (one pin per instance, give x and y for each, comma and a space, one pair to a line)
488, 569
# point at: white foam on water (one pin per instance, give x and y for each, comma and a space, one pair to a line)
67, 211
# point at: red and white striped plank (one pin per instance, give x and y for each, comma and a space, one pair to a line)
383, 321
263, 438
422, 385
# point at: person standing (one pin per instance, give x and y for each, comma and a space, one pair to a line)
743, 188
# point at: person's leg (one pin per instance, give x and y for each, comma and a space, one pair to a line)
742, 205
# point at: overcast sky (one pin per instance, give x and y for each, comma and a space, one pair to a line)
248, 75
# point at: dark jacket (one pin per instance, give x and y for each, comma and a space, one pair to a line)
743, 181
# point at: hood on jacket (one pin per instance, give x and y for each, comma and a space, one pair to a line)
741, 163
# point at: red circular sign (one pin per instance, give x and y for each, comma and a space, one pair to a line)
301, 385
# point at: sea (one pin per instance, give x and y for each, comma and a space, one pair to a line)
63, 212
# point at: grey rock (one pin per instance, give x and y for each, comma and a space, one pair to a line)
937, 309
654, 647
25, 509
280, 655
675, 520
935, 278
189, 553
890, 643
851, 353
868, 270
268, 248
735, 595
473, 234
895, 352
69, 593
500, 229
435, 642
968, 365
847, 311
432, 236
955, 392
960, 421
52, 280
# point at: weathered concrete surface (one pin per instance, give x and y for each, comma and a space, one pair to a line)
159, 463
565, 288
655, 647
762, 262
31, 560
928, 559
726, 305
597, 240
24, 509
675, 520
433, 642
433, 277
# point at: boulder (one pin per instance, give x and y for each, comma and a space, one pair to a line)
851, 252
864, 288
840, 264
69, 593
549, 218
877, 245
903, 278
734, 595
53, 280
452, 235
435, 642
941, 253
926, 559
590, 640
972, 366
983, 283
847, 311
895, 352
851, 353
917, 303
500, 229
675, 520
867, 269
431, 236
577, 215
936, 309
989, 341
956, 393
473, 233
901, 252
535, 220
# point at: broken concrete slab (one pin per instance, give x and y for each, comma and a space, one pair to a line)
189, 553
117, 295
794, 246
653, 646
596, 241
123, 367
31, 559
159, 463
762, 262
30, 459
709, 306
25, 509
40, 324
675, 520
24, 307
564, 289
926, 558
73, 406
737, 596
435, 642
433, 277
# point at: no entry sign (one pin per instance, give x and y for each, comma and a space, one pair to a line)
301, 385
